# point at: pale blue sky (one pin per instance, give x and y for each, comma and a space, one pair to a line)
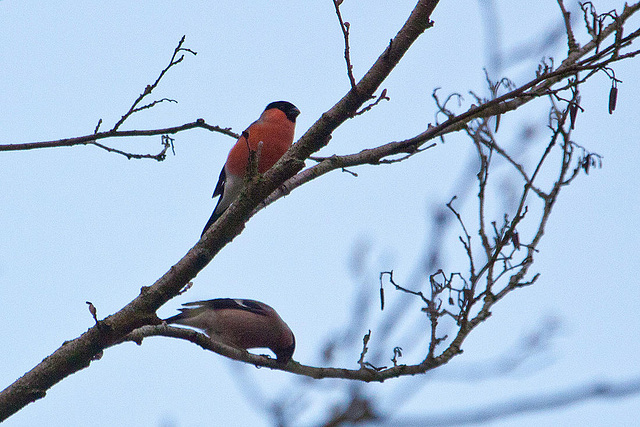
81, 224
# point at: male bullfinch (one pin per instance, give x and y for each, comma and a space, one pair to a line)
274, 129
241, 323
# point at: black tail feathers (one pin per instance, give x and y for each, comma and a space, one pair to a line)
214, 217
174, 319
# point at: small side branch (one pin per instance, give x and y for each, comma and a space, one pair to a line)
344, 26
167, 142
571, 40
383, 97
147, 90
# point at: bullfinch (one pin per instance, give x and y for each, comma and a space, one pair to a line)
275, 129
241, 323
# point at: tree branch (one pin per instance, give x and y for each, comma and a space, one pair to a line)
90, 139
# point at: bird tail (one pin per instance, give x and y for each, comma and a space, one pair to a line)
214, 217
174, 319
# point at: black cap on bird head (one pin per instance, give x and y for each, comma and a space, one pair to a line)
290, 110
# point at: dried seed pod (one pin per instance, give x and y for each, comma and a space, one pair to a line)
515, 239
586, 164
613, 98
573, 113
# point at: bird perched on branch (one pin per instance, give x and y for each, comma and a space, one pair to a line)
241, 323
269, 137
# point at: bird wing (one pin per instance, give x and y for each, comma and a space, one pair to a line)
230, 303
220, 185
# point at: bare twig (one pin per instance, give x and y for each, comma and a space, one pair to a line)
383, 97
467, 238
147, 90
167, 142
365, 348
571, 40
344, 26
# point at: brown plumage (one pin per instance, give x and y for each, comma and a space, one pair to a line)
240, 323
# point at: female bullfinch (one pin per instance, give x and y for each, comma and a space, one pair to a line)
275, 129
241, 323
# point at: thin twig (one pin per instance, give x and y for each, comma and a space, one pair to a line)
151, 87
571, 40
383, 97
159, 157
344, 26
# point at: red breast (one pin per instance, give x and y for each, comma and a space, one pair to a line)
276, 133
